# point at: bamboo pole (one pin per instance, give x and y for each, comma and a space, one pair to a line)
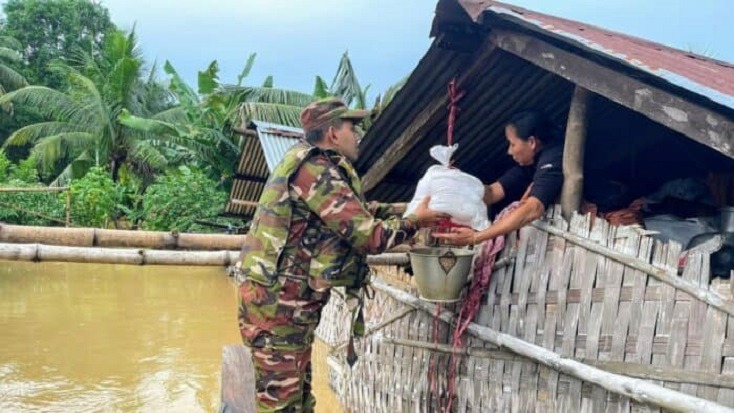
573, 152
68, 209
139, 256
668, 276
129, 256
36, 189
92, 237
636, 389
643, 371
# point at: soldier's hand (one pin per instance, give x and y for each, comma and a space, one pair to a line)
428, 217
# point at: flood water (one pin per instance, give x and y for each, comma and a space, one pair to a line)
88, 337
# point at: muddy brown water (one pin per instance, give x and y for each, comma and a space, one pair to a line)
89, 337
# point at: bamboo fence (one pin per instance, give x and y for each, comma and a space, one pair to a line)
587, 318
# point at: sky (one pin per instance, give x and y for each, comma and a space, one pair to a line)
295, 40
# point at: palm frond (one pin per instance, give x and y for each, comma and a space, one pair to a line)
10, 79
36, 131
54, 148
10, 55
245, 94
10, 42
143, 151
269, 82
51, 104
123, 78
269, 112
74, 170
346, 85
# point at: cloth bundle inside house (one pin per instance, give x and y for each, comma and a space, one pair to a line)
452, 191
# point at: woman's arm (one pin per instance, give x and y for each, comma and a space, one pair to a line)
528, 212
493, 193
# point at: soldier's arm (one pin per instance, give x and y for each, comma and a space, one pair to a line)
382, 210
320, 185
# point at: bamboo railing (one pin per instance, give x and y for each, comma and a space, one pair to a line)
140, 256
94, 237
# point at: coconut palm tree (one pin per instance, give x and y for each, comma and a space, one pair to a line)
10, 79
82, 128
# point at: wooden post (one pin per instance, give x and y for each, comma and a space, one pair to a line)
238, 380
573, 153
68, 208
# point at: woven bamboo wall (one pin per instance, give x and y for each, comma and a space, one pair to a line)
577, 303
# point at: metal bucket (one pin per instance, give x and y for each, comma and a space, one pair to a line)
441, 272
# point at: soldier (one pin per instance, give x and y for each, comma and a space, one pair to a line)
311, 232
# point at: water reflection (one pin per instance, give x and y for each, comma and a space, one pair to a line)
121, 338
88, 337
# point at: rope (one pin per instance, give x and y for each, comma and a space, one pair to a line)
454, 98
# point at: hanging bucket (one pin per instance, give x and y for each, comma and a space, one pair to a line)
441, 272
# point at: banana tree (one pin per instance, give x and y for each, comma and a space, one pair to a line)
197, 130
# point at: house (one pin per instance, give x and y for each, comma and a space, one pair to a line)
261, 152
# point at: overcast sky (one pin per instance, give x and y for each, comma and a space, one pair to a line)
295, 40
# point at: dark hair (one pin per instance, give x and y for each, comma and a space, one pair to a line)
315, 136
534, 123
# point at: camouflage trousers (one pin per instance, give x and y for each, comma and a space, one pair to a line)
278, 323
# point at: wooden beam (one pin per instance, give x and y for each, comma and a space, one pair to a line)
421, 124
573, 153
636, 389
690, 119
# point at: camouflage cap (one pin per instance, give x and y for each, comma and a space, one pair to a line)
318, 113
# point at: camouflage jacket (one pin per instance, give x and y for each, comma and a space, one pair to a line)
313, 223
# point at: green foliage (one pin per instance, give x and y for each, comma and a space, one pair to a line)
180, 198
5, 166
82, 128
95, 199
27, 208
54, 30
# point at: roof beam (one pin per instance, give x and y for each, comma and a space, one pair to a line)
422, 123
694, 121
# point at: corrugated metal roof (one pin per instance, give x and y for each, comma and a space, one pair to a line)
260, 155
276, 140
621, 142
704, 76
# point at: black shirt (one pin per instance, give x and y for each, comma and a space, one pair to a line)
546, 175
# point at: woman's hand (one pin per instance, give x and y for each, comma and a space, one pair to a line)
428, 217
460, 236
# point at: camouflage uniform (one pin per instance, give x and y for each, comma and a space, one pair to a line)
311, 232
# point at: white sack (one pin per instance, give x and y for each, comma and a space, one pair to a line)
452, 191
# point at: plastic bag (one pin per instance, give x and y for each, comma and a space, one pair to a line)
452, 191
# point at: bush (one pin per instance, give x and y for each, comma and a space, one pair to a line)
177, 200
27, 208
95, 199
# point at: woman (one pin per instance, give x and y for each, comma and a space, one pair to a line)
537, 147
